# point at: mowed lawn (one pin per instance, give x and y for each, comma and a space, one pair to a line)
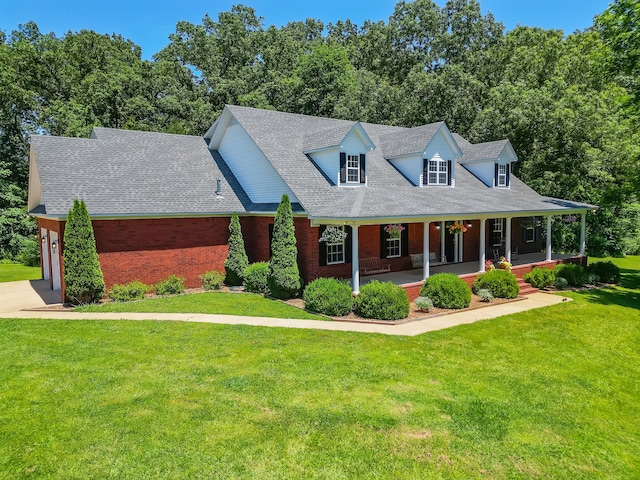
550, 393
12, 272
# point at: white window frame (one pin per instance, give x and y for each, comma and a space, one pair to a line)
336, 251
502, 175
351, 169
393, 245
498, 227
437, 167
531, 230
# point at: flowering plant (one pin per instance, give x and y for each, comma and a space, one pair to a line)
569, 219
333, 235
488, 265
504, 265
394, 230
457, 228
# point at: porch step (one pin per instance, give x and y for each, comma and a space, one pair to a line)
526, 288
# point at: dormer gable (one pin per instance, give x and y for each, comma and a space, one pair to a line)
340, 153
490, 162
425, 155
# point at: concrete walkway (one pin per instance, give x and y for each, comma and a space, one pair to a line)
15, 296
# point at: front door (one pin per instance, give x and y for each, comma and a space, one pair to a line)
449, 243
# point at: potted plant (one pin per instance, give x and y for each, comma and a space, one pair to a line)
333, 235
457, 228
394, 230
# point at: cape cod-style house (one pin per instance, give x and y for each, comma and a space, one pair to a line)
407, 199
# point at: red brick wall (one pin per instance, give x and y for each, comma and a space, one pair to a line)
149, 250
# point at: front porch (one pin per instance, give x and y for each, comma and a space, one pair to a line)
411, 280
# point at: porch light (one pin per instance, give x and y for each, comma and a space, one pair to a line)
469, 224
437, 226
44, 238
54, 246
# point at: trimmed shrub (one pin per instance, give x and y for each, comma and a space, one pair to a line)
608, 271
485, 295
236, 260
29, 253
574, 274
501, 284
446, 290
423, 304
212, 280
171, 286
540, 277
382, 300
560, 283
255, 278
128, 292
593, 279
283, 274
329, 297
84, 282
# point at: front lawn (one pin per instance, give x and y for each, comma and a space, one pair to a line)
12, 272
209, 302
549, 393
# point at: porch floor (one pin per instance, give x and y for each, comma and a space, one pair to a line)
415, 275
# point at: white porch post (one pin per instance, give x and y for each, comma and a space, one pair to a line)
507, 240
443, 255
583, 230
425, 252
548, 258
483, 247
355, 263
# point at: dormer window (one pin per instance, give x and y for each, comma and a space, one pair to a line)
436, 171
502, 175
352, 168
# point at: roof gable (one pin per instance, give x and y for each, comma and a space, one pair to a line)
415, 141
334, 138
499, 150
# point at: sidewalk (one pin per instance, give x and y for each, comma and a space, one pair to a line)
536, 300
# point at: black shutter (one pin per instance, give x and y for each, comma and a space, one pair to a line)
524, 234
449, 172
383, 242
322, 249
537, 234
404, 240
495, 177
348, 253
343, 167
270, 238
363, 170
508, 173
425, 171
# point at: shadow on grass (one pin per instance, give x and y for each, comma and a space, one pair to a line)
629, 278
610, 296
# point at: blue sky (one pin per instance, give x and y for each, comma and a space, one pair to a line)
149, 23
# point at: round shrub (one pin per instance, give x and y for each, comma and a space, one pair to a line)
255, 278
423, 303
574, 274
171, 286
485, 295
29, 253
593, 279
212, 280
608, 271
128, 292
446, 290
560, 283
501, 284
540, 277
329, 297
382, 300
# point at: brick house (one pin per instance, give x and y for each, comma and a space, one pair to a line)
160, 204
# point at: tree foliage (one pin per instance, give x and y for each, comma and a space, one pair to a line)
83, 278
283, 276
236, 260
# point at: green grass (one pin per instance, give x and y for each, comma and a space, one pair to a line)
249, 304
549, 393
12, 272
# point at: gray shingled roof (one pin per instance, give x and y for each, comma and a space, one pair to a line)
331, 137
483, 151
124, 172
408, 141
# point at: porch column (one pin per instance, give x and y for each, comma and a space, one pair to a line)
425, 252
583, 230
355, 263
548, 257
507, 240
443, 255
483, 246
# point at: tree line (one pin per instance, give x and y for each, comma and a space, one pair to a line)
570, 104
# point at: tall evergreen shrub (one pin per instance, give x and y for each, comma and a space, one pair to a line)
283, 274
84, 282
236, 260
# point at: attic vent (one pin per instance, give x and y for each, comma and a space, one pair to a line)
218, 188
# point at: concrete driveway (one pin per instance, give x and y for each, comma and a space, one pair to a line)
16, 296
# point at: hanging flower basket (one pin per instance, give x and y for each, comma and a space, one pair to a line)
569, 219
531, 222
457, 228
333, 235
394, 230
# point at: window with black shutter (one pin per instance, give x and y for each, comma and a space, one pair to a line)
391, 245
335, 253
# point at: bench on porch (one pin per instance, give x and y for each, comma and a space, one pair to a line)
370, 266
417, 260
